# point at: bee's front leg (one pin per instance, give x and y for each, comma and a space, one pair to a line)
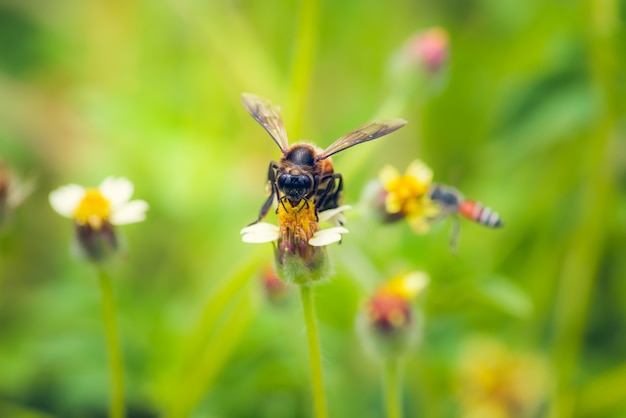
271, 178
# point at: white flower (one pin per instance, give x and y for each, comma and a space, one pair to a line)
109, 203
259, 233
265, 232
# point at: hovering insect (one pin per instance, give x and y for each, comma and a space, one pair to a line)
305, 172
451, 202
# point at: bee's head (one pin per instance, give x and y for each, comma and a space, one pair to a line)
295, 186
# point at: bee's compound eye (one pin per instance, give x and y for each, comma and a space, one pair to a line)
291, 182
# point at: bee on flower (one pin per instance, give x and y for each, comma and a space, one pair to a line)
96, 212
394, 196
299, 242
388, 323
306, 190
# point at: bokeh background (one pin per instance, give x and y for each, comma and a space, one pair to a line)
527, 116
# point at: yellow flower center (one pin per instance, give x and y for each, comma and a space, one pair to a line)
94, 209
404, 193
297, 223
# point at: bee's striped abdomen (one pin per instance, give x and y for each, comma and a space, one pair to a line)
481, 214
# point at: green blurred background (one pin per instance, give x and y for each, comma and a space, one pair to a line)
528, 118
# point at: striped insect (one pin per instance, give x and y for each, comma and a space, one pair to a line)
452, 202
305, 171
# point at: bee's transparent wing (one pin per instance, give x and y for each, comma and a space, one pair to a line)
268, 115
367, 132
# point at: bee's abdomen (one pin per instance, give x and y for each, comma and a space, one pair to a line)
480, 213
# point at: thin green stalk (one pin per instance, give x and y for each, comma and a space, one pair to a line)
215, 305
212, 360
580, 267
315, 352
304, 53
393, 397
116, 405
395, 104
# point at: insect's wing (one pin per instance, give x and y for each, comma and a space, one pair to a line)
268, 115
367, 132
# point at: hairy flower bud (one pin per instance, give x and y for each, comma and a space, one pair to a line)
388, 324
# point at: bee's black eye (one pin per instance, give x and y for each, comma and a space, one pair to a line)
291, 182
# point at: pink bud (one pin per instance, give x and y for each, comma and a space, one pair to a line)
430, 47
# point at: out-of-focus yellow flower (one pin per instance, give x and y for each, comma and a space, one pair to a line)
406, 196
300, 248
496, 382
95, 211
388, 324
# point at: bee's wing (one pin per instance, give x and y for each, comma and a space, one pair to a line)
268, 115
367, 132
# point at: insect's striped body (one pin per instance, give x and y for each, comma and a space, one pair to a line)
479, 213
452, 202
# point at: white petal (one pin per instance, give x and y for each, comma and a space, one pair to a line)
329, 214
259, 237
131, 212
420, 171
65, 200
259, 227
117, 191
327, 236
388, 174
415, 282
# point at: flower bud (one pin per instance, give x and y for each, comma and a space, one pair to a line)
388, 324
276, 291
421, 61
96, 244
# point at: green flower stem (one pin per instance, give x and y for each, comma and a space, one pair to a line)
304, 53
395, 104
217, 303
113, 346
393, 398
582, 261
315, 352
208, 365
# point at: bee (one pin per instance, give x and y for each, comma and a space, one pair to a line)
452, 202
305, 171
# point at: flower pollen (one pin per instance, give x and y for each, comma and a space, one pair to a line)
299, 222
406, 196
94, 209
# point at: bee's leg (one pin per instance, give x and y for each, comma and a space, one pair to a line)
454, 236
271, 178
331, 195
282, 203
336, 197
